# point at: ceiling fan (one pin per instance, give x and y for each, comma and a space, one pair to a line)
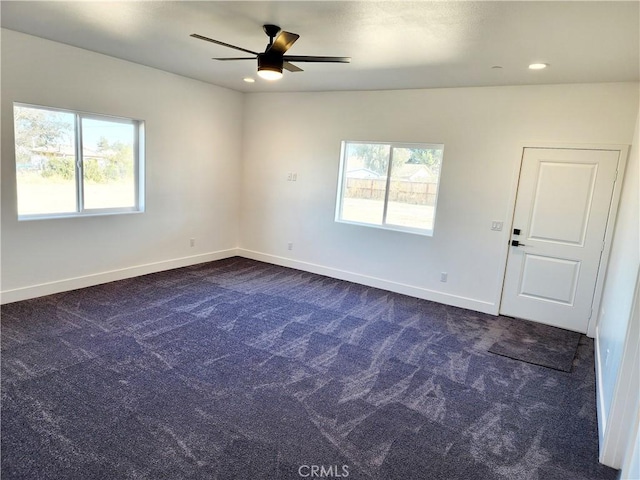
273, 59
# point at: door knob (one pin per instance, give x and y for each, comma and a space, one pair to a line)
516, 243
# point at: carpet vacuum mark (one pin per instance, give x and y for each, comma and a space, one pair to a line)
237, 369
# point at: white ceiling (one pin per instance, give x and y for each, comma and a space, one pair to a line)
393, 44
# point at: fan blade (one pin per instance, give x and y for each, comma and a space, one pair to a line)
294, 58
291, 67
283, 42
218, 42
235, 58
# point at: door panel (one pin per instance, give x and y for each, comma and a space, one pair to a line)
550, 279
561, 210
552, 195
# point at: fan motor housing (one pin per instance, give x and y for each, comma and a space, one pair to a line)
268, 61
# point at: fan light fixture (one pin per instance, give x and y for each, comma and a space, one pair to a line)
273, 60
269, 67
538, 66
269, 73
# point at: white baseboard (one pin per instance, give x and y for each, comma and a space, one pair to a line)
33, 291
413, 291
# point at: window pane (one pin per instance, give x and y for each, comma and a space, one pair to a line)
45, 161
414, 186
365, 179
108, 164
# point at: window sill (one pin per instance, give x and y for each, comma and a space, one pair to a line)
54, 216
393, 228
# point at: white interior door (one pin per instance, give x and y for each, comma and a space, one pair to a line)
562, 208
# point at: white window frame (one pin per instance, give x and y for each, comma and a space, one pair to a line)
138, 165
342, 180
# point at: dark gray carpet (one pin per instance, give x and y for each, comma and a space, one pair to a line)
242, 370
538, 344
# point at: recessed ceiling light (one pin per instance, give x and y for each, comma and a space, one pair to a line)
538, 66
249, 79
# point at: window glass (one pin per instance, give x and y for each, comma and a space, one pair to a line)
45, 161
390, 185
109, 164
73, 163
365, 166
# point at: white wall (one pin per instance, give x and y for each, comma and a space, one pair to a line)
193, 153
613, 335
483, 130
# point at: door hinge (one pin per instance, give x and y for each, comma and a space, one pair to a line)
604, 243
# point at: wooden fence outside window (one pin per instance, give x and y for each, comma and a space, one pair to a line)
403, 191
